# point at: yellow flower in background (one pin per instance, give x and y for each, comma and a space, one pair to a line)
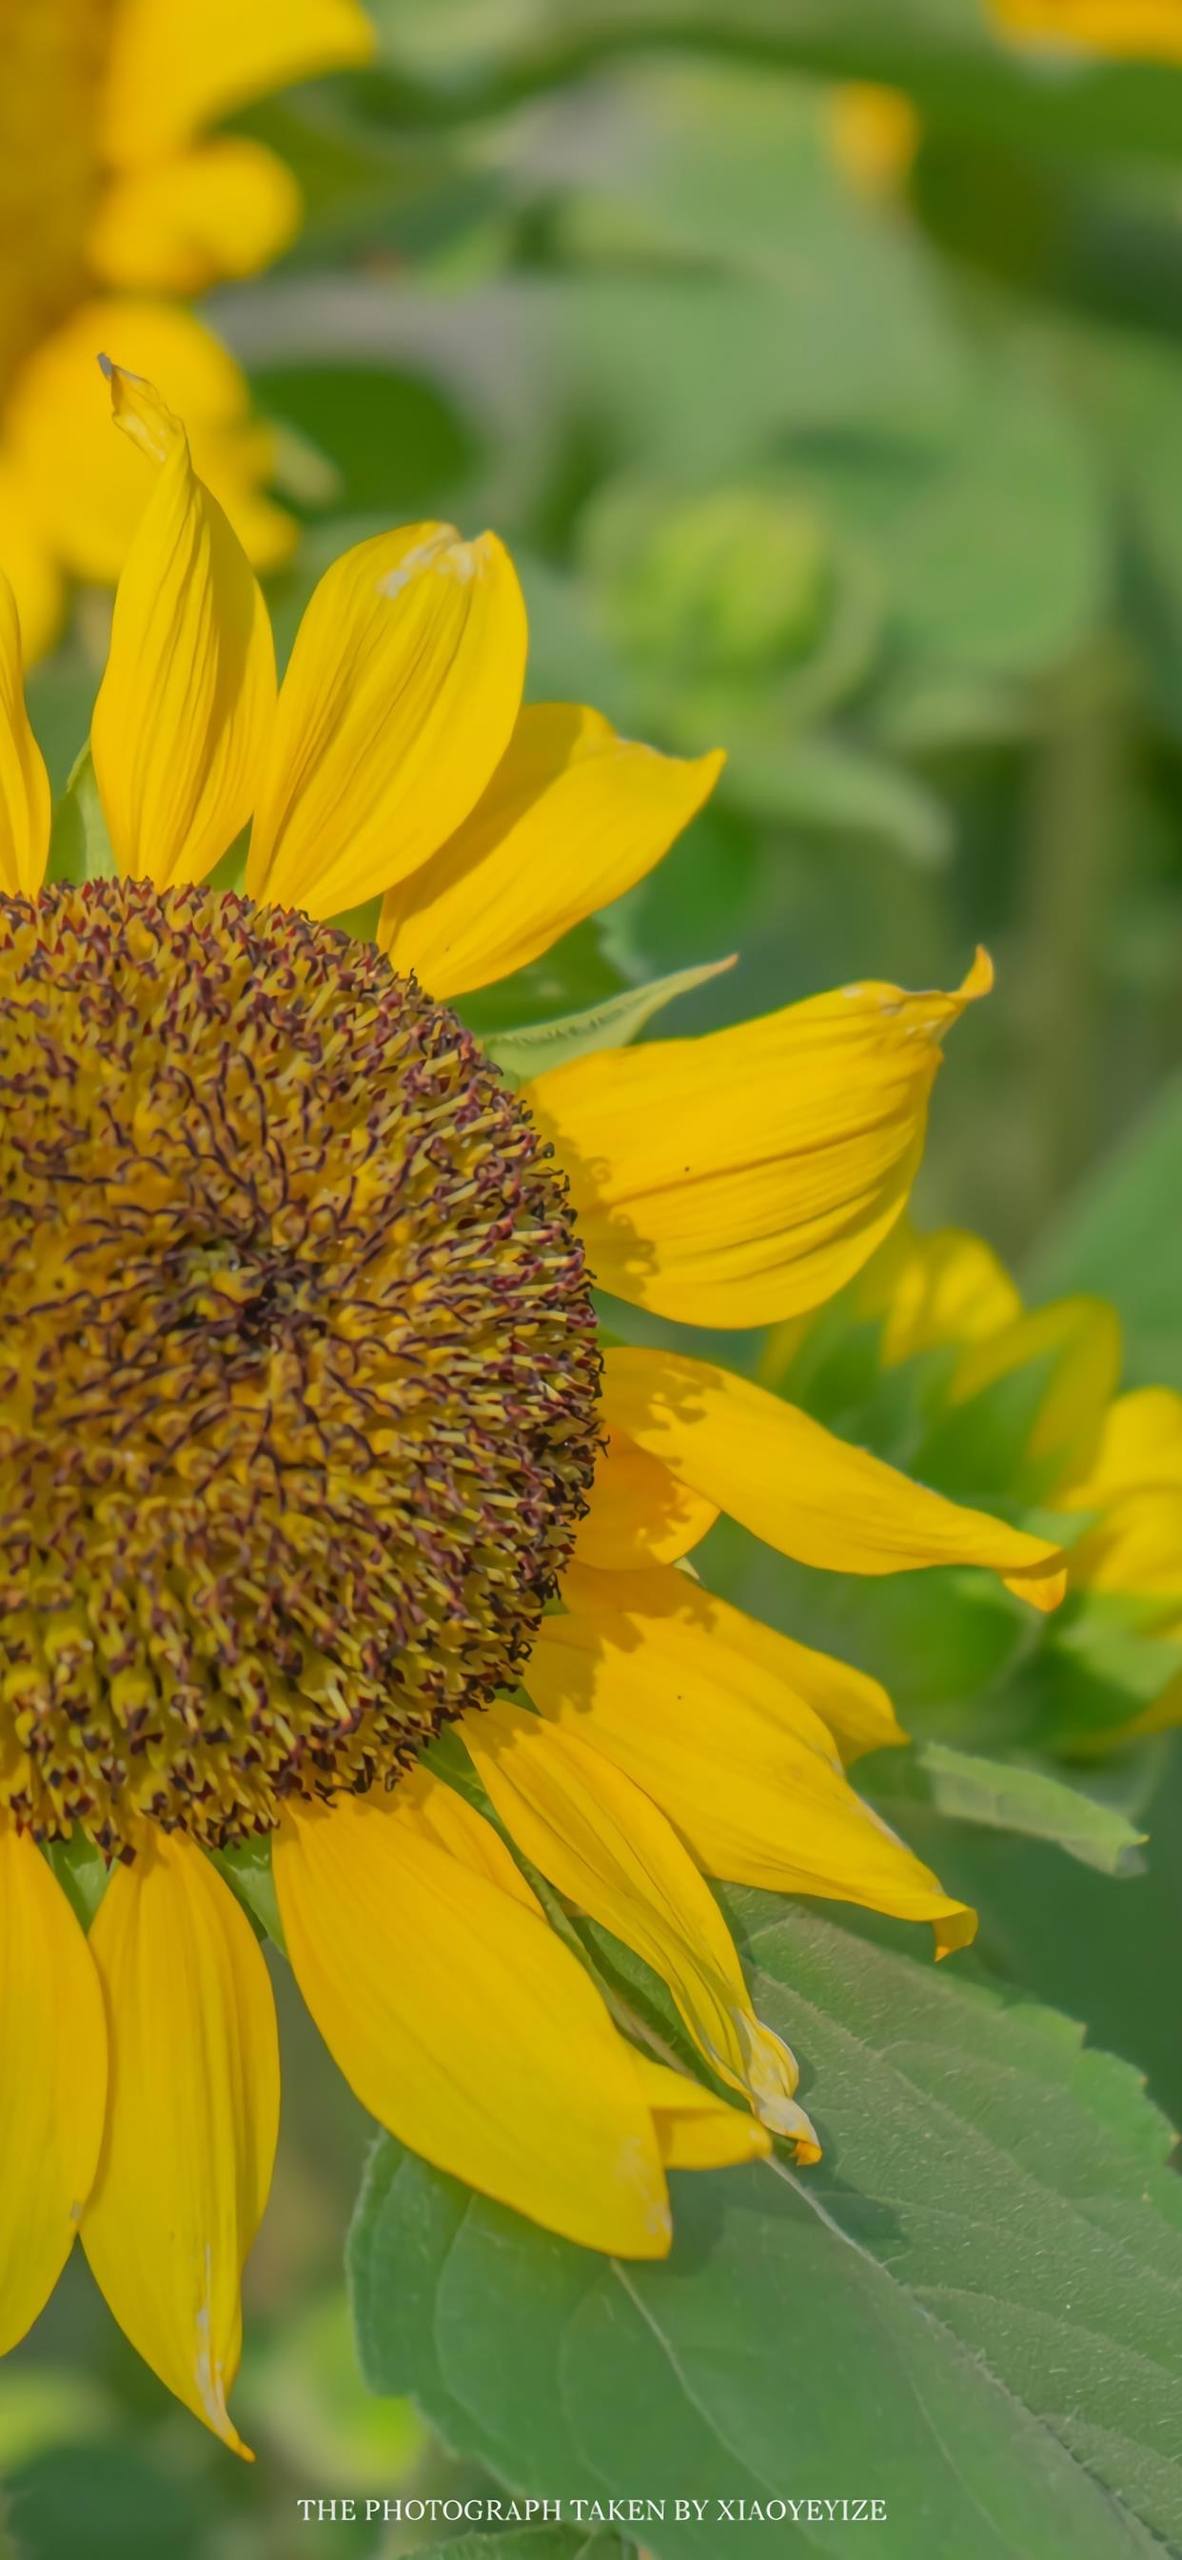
309, 1449
875, 133
115, 201
1036, 1389
1150, 28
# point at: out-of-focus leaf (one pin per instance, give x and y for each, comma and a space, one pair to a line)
397, 444
61, 698
540, 1045
824, 785
301, 2391
1007, 1795
1122, 1239
988, 2264
989, 526
109, 2501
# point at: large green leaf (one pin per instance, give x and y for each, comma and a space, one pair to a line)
970, 2310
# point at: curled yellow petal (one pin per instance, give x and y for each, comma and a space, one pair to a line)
53, 2084
727, 1754
834, 1704
739, 1178
85, 488
804, 1491
397, 706
573, 816
466, 2027
605, 1846
192, 2119
24, 783
187, 701
697, 2130
184, 223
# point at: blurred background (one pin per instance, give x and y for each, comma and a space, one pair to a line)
821, 364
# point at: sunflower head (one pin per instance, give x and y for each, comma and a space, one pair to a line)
297, 1365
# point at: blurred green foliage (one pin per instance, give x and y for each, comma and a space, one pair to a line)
877, 487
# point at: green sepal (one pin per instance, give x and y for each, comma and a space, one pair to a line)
541, 1045
79, 845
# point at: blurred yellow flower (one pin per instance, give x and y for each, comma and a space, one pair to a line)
875, 134
114, 203
1037, 1391
1149, 28
309, 1450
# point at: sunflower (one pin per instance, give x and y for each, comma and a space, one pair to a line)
1151, 29
1026, 1402
114, 201
330, 1524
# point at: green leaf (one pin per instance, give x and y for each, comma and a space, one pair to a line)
1008, 1795
540, 1045
969, 2310
80, 847
1122, 1239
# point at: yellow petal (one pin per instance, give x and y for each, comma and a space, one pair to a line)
738, 1178
854, 1711
1134, 1555
435, 1810
403, 688
224, 209
573, 816
697, 2130
53, 2084
1140, 1445
28, 564
465, 2026
24, 783
177, 67
800, 1488
707, 1736
83, 487
1151, 28
932, 1289
638, 1513
1074, 1348
192, 2120
188, 697
605, 1846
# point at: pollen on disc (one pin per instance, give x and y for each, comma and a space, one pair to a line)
298, 1374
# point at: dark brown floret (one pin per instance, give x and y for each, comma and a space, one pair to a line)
297, 1365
